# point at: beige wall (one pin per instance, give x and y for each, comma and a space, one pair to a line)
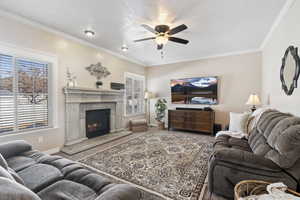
239, 75
286, 33
70, 54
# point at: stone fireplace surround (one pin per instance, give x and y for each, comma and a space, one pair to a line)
80, 100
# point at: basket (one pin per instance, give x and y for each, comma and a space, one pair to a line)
254, 187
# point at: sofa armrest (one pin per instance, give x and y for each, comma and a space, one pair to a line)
14, 148
245, 159
13, 190
227, 167
120, 192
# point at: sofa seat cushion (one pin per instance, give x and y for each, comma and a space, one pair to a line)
67, 190
18, 163
226, 141
39, 176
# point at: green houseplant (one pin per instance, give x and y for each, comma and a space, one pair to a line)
160, 111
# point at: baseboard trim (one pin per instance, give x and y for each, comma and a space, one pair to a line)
52, 151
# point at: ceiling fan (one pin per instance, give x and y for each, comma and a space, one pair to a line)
164, 34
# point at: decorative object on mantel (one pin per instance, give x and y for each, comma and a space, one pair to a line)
99, 72
160, 110
117, 86
71, 79
261, 190
253, 101
290, 70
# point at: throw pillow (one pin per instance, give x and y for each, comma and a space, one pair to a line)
238, 122
13, 190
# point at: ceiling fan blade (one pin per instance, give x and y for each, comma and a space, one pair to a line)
177, 29
160, 46
149, 28
178, 40
149, 38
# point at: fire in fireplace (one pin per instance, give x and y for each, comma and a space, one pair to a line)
97, 122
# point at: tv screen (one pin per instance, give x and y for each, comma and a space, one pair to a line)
202, 90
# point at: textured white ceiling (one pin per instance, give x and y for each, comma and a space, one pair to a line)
215, 26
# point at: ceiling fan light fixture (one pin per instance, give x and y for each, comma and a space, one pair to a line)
161, 39
89, 33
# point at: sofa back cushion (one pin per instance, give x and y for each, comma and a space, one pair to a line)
277, 137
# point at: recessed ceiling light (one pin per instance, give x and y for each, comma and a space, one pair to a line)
89, 33
124, 48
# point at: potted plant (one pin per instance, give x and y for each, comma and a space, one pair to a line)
160, 111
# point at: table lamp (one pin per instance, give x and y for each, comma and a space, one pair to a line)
253, 101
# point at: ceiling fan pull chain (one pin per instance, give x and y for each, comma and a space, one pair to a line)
162, 54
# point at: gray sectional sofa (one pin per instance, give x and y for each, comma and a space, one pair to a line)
26, 174
272, 153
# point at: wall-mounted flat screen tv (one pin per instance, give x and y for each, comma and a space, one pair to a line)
202, 90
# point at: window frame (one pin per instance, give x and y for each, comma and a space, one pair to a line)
39, 57
142, 78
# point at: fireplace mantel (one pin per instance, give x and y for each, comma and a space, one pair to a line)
80, 100
74, 95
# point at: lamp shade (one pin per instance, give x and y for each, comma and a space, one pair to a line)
253, 100
149, 95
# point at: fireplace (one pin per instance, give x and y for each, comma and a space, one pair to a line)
80, 100
97, 122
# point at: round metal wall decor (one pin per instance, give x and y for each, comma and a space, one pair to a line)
290, 70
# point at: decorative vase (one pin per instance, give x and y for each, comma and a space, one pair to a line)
99, 84
161, 125
74, 83
70, 84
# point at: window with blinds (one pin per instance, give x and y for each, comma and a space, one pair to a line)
24, 93
134, 94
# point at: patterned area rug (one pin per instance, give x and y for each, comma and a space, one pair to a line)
172, 164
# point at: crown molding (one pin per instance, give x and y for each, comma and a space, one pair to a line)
65, 35
235, 53
279, 18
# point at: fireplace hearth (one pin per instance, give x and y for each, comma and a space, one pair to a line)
97, 122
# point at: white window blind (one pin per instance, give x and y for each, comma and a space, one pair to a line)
7, 112
24, 92
134, 94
